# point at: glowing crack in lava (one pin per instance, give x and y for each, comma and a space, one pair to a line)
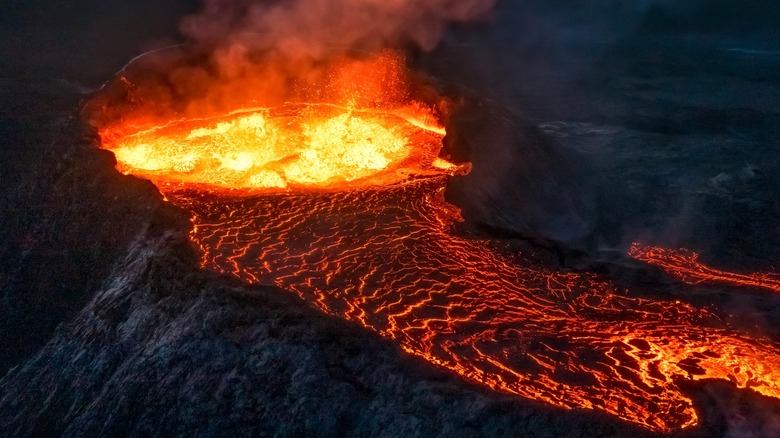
685, 265
345, 208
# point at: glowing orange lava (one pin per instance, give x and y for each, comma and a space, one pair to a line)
685, 265
343, 205
294, 146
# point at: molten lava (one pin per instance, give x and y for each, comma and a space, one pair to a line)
685, 266
295, 146
343, 205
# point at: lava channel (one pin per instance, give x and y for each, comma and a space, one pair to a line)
372, 241
684, 265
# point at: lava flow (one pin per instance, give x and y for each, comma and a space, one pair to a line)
685, 266
344, 206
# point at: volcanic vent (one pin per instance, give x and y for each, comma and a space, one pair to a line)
332, 186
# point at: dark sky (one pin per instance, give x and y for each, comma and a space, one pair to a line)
86, 40
83, 40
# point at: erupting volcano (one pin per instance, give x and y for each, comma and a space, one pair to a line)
341, 202
369, 136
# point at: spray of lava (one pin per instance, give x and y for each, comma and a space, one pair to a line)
323, 174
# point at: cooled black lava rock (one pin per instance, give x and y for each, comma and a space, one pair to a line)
521, 182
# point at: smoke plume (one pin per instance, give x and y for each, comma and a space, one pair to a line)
315, 28
250, 53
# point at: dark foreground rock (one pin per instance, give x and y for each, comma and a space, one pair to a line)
166, 351
67, 215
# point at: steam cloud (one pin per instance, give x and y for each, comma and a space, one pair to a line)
315, 28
